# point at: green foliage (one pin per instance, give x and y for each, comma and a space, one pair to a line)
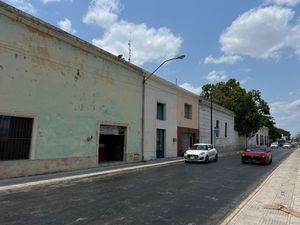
251, 111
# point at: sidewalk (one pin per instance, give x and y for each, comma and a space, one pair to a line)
274, 202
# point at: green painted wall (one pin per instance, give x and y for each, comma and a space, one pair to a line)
68, 89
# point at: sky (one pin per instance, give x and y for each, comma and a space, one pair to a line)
257, 42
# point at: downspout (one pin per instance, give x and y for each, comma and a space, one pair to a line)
143, 118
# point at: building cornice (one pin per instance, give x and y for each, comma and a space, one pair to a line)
48, 29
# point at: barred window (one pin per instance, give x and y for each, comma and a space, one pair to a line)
15, 137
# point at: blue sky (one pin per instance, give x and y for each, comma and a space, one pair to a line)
256, 42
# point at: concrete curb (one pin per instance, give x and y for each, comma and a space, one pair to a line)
87, 175
229, 218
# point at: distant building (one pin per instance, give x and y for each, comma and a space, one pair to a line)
260, 138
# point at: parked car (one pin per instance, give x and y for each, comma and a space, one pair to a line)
201, 152
257, 154
274, 145
293, 144
287, 145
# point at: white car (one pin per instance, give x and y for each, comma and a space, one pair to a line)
287, 145
274, 145
201, 152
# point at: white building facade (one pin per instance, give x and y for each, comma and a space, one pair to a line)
225, 138
260, 138
160, 126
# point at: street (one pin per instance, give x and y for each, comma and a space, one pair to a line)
176, 194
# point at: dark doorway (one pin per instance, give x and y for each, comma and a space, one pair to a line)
160, 143
111, 143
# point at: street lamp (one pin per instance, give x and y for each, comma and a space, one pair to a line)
211, 118
178, 57
144, 84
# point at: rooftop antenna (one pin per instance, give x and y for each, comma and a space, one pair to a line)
129, 50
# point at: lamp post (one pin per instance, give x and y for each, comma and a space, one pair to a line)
144, 85
211, 119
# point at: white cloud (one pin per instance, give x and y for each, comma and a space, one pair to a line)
285, 114
229, 59
49, 1
52, 1
216, 76
262, 33
284, 2
147, 44
244, 81
66, 25
102, 12
23, 5
191, 88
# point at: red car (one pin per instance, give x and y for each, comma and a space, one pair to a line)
257, 154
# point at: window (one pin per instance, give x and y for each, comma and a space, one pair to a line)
226, 130
15, 137
187, 111
217, 126
161, 111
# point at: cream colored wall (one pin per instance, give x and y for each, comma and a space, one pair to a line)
182, 98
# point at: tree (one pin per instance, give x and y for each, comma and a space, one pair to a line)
251, 111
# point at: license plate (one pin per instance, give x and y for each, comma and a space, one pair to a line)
192, 157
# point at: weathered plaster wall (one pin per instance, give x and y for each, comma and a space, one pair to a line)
264, 132
233, 142
68, 90
156, 91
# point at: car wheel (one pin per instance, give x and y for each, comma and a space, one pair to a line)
270, 160
206, 159
216, 158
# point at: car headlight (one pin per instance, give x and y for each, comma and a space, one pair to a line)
243, 155
202, 153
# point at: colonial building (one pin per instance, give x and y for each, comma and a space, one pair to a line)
260, 138
160, 136
64, 103
187, 120
223, 134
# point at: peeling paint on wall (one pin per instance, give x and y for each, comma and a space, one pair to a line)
68, 89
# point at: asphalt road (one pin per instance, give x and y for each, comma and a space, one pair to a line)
174, 194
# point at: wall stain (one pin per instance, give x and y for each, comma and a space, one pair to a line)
1, 67
38, 32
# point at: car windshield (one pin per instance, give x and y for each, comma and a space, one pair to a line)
199, 147
256, 149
